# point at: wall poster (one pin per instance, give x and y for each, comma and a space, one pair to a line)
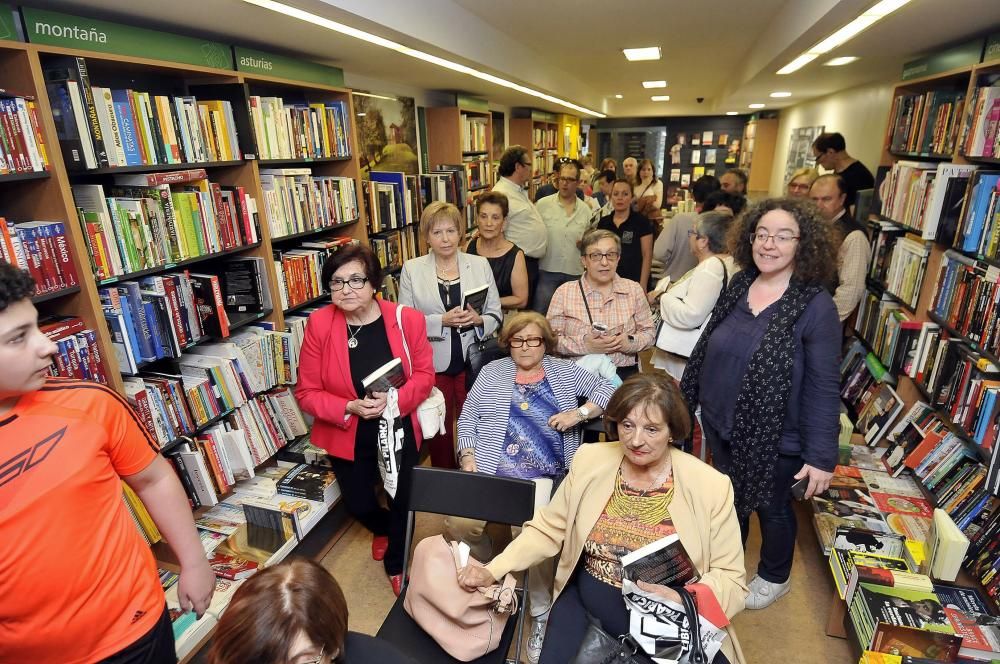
800, 154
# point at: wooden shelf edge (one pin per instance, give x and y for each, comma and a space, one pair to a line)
308, 303
156, 168
173, 266
313, 232
62, 292
23, 177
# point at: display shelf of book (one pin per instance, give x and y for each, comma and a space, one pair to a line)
21, 177
304, 161
238, 320
981, 160
315, 232
319, 299
958, 335
920, 155
882, 217
180, 264
169, 447
158, 168
45, 297
880, 289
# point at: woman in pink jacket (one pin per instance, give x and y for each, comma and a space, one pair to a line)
344, 343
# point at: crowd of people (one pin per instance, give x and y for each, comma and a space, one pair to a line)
745, 328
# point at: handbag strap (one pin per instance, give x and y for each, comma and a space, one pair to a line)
584, 295
402, 335
725, 275
697, 654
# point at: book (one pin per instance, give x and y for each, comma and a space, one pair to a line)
388, 376
663, 562
877, 416
307, 481
948, 546
232, 567
969, 612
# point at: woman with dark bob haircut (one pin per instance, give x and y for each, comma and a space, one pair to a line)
773, 341
293, 613
619, 497
345, 342
522, 419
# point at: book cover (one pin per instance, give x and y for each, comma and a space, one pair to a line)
970, 614
307, 481
903, 607
913, 642
389, 375
664, 562
232, 567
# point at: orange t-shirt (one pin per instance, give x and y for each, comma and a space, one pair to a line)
77, 581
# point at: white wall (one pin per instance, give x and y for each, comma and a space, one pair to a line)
860, 114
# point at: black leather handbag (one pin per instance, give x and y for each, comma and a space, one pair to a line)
599, 647
478, 355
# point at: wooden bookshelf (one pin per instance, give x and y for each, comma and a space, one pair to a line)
757, 153
445, 131
532, 132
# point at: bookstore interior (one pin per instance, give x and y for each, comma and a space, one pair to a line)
173, 176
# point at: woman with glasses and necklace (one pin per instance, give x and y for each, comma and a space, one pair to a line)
522, 419
435, 285
635, 232
766, 374
345, 342
602, 312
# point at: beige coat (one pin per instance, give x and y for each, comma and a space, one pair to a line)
702, 511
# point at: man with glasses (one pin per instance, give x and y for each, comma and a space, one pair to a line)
566, 219
552, 186
829, 194
830, 150
525, 227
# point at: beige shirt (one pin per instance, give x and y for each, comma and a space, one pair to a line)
852, 268
563, 231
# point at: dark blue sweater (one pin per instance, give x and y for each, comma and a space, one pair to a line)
812, 421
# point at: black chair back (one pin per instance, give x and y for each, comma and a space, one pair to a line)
472, 495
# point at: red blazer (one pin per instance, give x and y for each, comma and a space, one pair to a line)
325, 385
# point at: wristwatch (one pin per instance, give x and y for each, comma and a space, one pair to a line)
584, 413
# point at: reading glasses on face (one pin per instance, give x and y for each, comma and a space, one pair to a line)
761, 237
530, 342
354, 282
596, 256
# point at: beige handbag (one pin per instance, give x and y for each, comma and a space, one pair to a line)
467, 625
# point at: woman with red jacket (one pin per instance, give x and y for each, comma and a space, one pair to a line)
343, 344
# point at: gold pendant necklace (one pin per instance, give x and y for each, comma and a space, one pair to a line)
650, 510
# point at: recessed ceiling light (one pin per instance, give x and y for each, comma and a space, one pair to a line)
660, 98
757, 105
841, 61
654, 84
867, 19
619, 96
646, 53
779, 95
732, 112
344, 29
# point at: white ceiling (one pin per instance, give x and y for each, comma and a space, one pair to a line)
725, 51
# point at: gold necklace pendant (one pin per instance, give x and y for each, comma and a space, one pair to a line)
524, 405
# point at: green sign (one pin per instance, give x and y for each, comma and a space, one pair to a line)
963, 55
472, 104
542, 116
282, 66
425, 159
55, 29
9, 24
992, 50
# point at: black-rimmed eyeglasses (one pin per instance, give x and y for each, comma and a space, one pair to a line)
354, 282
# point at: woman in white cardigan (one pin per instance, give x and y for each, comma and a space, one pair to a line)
436, 285
687, 304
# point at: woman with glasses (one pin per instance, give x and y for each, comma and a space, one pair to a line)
436, 285
765, 372
801, 180
345, 342
634, 231
522, 419
294, 613
687, 304
601, 312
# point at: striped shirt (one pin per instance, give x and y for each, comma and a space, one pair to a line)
483, 424
624, 310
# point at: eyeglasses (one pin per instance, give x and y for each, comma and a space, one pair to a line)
761, 237
530, 342
568, 180
525, 163
597, 256
693, 233
354, 282
319, 659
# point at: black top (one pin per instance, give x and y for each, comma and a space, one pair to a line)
363, 649
856, 177
631, 232
502, 266
451, 297
372, 352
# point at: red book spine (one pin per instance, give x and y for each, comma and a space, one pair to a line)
59, 329
100, 371
175, 177
57, 233
175, 310
220, 306
221, 216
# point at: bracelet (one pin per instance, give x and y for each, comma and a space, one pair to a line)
466, 453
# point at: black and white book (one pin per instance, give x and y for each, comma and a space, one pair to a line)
664, 562
476, 297
387, 376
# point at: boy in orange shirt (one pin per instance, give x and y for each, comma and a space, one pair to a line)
79, 583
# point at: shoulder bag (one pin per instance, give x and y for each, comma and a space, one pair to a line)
681, 342
467, 625
431, 411
479, 354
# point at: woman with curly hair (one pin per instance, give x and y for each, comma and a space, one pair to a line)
773, 341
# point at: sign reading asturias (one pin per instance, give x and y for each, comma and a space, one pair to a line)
57, 29
270, 64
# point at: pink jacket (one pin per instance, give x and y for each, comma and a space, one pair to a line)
325, 385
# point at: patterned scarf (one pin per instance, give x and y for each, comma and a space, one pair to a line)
762, 401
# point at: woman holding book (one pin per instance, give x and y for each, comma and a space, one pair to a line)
765, 372
510, 272
617, 498
344, 343
458, 297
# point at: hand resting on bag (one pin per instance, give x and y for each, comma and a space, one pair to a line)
471, 577
665, 592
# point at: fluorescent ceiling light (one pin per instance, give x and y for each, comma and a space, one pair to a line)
647, 53
732, 112
619, 96
654, 84
780, 95
867, 18
841, 61
374, 96
757, 105
660, 98
343, 29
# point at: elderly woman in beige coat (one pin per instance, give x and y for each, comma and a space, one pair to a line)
619, 497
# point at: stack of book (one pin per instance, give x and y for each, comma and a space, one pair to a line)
300, 269
474, 136
861, 374
310, 482
926, 123
904, 275
156, 219
981, 138
103, 128
388, 201
22, 147
965, 299
396, 247
300, 131
978, 230
296, 201
477, 172
906, 191
79, 354
40, 248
